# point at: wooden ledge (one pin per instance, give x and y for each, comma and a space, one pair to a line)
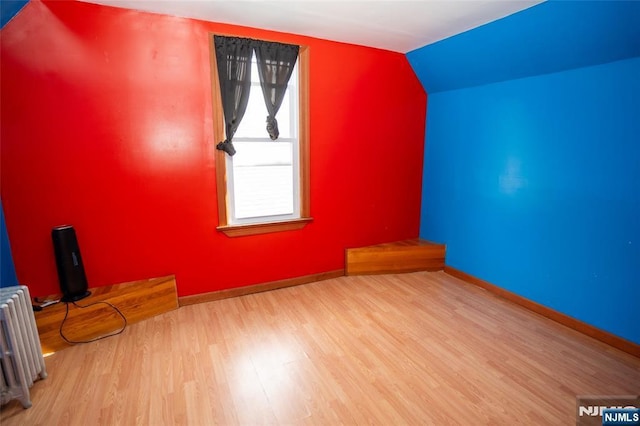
137, 300
397, 257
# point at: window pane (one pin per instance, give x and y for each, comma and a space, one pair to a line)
284, 117
263, 179
262, 191
254, 122
262, 153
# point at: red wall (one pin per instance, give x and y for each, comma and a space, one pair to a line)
107, 125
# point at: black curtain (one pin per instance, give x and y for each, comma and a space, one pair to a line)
233, 55
275, 65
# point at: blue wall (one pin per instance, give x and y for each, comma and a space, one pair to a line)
532, 156
534, 185
9, 8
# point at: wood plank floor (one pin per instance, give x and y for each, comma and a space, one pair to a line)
418, 348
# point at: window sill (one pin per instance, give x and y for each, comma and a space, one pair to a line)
264, 228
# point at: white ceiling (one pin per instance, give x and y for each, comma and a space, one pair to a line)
396, 25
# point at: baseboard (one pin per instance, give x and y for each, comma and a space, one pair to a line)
243, 291
582, 327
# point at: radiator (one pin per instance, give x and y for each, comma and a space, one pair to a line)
21, 357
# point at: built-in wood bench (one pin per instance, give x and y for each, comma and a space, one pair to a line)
137, 300
401, 256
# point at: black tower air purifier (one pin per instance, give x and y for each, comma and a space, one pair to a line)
73, 281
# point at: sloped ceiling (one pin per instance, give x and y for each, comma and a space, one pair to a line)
551, 37
399, 25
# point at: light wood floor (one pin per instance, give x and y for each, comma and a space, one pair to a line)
419, 348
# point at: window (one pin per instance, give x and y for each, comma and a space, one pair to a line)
264, 186
262, 177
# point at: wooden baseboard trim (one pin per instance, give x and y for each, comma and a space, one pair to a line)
243, 291
582, 327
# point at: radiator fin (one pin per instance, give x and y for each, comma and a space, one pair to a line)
20, 351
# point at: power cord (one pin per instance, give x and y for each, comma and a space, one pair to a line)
73, 342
